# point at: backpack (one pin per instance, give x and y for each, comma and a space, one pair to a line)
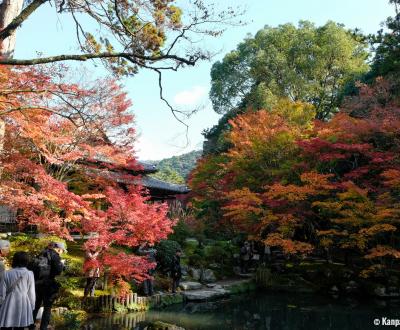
41, 266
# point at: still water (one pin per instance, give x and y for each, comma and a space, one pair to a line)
263, 311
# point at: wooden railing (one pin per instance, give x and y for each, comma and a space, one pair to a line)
110, 303
263, 277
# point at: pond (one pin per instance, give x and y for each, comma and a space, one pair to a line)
262, 311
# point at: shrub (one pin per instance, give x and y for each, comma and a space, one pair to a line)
197, 260
162, 283
30, 244
67, 299
71, 320
165, 252
181, 232
220, 253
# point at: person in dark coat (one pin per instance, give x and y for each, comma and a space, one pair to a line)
176, 270
47, 287
245, 257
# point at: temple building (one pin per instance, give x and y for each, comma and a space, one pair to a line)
158, 190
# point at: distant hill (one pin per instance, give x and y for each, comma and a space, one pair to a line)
177, 168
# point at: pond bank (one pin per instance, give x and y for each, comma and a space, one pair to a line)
134, 303
331, 279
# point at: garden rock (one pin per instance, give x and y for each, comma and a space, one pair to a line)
184, 270
195, 273
204, 295
351, 287
208, 276
380, 291
190, 286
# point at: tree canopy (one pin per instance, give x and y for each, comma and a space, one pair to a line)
304, 63
386, 44
62, 142
308, 186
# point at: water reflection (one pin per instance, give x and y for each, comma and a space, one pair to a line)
261, 311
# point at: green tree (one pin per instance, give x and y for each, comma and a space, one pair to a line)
304, 63
182, 165
387, 46
170, 175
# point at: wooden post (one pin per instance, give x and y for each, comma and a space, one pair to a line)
105, 282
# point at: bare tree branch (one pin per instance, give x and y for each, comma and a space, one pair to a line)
26, 108
84, 57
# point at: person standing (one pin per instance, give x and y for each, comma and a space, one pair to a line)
92, 272
176, 270
18, 292
46, 285
245, 256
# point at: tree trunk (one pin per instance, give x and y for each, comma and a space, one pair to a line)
2, 135
9, 9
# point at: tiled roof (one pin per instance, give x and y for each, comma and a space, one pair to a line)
148, 167
147, 181
153, 183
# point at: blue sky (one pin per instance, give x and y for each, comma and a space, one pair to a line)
160, 135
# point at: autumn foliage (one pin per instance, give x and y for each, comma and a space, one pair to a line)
61, 145
305, 186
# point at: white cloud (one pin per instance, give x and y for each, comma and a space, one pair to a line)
153, 149
190, 96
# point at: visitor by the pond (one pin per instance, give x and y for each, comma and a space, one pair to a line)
92, 272
245, 257
176, 270
46, 285
150, 253
18, 294
4, 250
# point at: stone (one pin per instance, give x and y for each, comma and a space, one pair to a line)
208, 276
215, 266
184, 270
190, 285
195, 273
247, 275
334, 289
205, 295
351, 287
380, 291
213, 286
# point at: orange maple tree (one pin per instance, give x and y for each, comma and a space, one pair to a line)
56, 135
308, 186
